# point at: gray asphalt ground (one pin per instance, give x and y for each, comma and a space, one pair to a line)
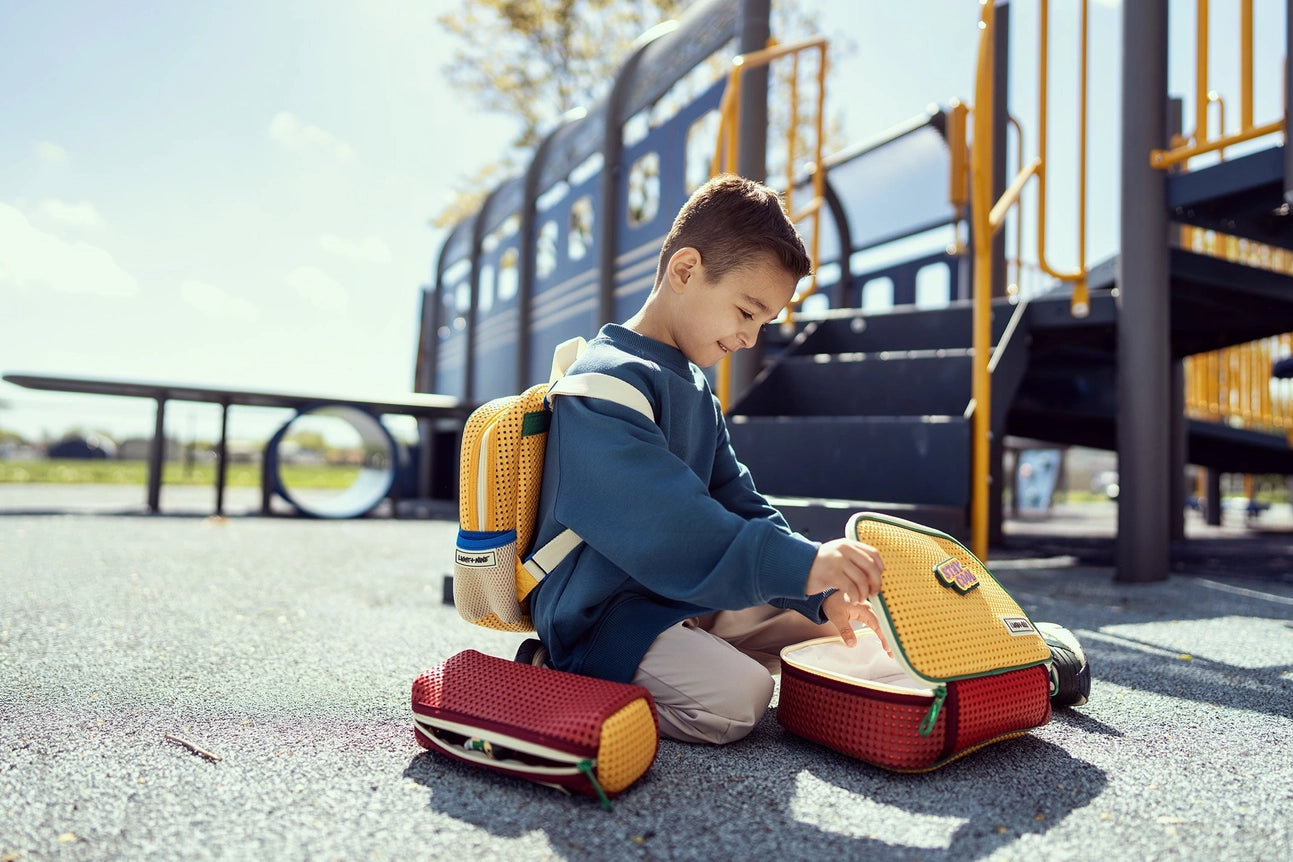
286, 648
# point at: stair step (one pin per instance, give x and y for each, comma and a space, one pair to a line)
895, 383
901, 328
910, 460
898, 329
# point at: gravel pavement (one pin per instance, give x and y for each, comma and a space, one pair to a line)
285, 648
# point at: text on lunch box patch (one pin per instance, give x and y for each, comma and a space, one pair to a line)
956, 576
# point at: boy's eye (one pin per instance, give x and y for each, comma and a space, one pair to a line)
746, 314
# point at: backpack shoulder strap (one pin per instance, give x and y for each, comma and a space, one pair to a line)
594, 384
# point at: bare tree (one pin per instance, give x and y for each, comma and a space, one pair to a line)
535, 60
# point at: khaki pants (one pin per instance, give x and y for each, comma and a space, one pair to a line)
711, 676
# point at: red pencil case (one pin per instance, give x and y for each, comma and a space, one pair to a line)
555, 728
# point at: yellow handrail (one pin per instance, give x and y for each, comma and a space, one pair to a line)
988, 218
1234, 385
726, 158
981, 191
1200, 142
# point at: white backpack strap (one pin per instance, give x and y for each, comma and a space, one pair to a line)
594, 384
591, 384
548, 557
564, 356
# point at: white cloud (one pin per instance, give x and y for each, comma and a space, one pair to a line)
29, 257
318, 288
215, 302
75, 215
370, 249
291, 132
50, 153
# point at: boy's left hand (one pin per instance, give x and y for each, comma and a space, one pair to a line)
843, 613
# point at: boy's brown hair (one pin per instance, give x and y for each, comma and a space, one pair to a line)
732, 221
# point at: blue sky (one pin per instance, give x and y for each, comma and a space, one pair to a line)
238, 194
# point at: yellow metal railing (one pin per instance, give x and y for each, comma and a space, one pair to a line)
988, 217
1201, 142
727, 157
1234, 385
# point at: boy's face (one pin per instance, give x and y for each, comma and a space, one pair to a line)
716, 317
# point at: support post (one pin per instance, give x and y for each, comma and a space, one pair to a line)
1144, 327
222, 456
1214, 498
1000, 147
1180, 428
157, 457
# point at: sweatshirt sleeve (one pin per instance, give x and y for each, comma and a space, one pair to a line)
733, 486
639, 505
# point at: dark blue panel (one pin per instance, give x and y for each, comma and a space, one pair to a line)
496, 321
565, 300
638, 246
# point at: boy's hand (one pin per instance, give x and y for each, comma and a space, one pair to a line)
848, 566
843, 613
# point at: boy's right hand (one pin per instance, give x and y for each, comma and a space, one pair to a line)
846, 565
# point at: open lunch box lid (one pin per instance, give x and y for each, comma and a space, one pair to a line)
943, 613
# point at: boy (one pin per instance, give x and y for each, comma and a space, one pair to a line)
689, 582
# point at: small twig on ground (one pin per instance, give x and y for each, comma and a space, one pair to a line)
191, 747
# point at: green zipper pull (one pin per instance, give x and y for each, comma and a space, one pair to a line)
586, 767
931, 717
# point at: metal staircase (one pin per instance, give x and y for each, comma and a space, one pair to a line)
865, 411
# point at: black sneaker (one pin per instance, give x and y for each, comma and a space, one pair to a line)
1070, 673
532, 651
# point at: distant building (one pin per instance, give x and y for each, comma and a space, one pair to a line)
137, 449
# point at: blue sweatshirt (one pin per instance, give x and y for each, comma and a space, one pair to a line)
672, 524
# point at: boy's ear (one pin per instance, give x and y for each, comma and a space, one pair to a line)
683, 266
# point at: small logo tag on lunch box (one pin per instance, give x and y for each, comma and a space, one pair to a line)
1018, 626
475, 559
952, 574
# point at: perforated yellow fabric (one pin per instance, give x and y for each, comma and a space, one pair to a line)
628, 746
952, 625
500, 474
529, 477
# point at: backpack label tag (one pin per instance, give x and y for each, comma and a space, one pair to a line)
476, 559
1019, 626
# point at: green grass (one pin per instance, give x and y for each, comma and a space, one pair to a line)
70, 472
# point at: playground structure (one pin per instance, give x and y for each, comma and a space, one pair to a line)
893, 388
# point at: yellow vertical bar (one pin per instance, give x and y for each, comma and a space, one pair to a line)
981, 203
957, 194
792, 137
1201, 74
819, 170
1245, 386
1081, 302
732, 138
1265, 350
1245, 64
1191, 385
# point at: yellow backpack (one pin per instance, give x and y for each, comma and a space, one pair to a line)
499, 478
